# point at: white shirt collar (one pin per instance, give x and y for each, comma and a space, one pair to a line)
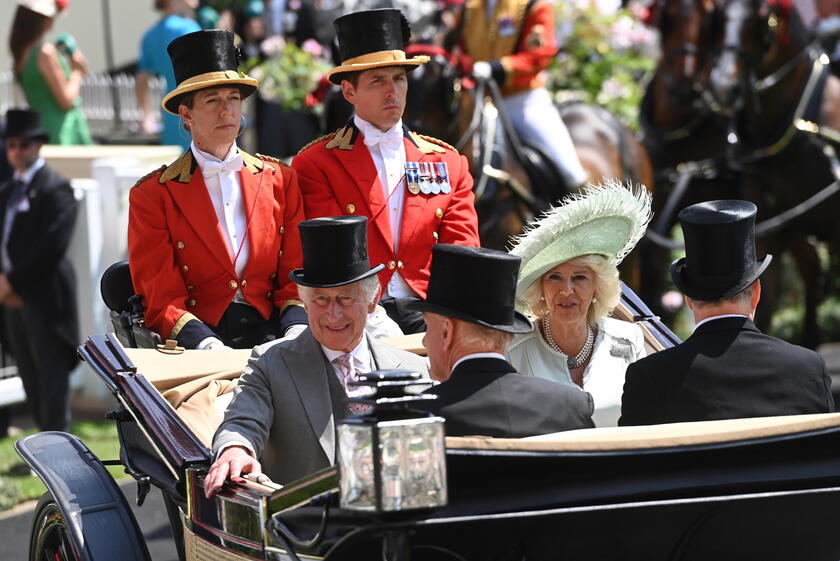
712, 318
360, 354
201, 157
477, 355
363, 125
27, 176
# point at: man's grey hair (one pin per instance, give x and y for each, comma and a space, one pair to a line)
369, 288
743, 297
483, 339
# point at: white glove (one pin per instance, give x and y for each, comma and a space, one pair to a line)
211, 343
482, 70
293, 331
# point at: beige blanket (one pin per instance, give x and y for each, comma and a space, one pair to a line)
197, 384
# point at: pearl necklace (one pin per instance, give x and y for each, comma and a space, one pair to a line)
573, 361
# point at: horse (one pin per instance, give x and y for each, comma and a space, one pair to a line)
773, 83
685, 139
514, 181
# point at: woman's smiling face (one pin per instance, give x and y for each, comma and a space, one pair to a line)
568, 290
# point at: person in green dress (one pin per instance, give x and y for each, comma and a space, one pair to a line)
50, 75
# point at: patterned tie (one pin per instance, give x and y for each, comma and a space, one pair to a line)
344, 364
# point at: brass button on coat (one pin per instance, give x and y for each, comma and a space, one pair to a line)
268, 295
282, 229
439, 213
180, 245
190, 303
190, 287
435, 235
233, 284
351, 208
272, 276
400, 265
244, 283
391, 264
185, 268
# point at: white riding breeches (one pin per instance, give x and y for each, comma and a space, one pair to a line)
537, 122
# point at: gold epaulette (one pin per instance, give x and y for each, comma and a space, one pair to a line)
150, 174
271, 159
343, 139
316, 141
429, 144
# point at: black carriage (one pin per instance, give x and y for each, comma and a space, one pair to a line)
751, 488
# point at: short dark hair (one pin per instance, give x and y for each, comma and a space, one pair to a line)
352, 77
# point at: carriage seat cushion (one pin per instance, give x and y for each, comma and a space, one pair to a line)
197, 384
654, 436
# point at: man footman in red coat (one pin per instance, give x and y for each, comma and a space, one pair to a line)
415, 190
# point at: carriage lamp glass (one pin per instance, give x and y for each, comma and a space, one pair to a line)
387, 466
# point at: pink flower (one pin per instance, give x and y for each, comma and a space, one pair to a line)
312, 47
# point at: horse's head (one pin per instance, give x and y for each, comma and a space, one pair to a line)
686, 29
755, 40
429, 107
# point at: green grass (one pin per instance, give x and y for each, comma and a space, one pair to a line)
16, 483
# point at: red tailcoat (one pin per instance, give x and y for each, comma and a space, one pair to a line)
177, 250
338, 176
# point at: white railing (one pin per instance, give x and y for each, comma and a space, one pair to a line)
98, 94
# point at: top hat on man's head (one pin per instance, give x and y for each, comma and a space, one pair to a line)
372, 39
719, 257
25, 123
474, 284
335, 252
205, 59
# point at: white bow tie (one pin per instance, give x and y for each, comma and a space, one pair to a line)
212, 168
388, 140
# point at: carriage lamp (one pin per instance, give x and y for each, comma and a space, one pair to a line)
391, 458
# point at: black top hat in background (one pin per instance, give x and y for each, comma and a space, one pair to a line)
719, 257
476, 285
335, 252
205, 59
372, 39
25, 123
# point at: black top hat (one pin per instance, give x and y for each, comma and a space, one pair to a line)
476, 285
205, 59
25, 123
334, 252
719, 257
372, 39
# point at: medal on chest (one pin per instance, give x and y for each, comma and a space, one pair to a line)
429, 178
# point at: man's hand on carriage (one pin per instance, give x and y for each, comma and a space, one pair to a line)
231, 464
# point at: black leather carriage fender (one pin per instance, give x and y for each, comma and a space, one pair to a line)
99, 521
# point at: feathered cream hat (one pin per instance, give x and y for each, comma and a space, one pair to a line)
606, 219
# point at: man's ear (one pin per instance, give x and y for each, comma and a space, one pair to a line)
348, 91
756, 294
447, 334
372, 303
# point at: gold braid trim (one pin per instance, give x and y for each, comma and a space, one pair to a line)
291, 302
185, 318
272, 159
150, 174
429, 144
316, 141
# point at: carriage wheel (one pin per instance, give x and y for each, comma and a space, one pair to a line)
49, 540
